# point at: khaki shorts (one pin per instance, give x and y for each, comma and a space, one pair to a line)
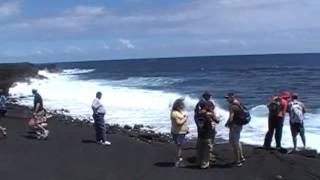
40, 116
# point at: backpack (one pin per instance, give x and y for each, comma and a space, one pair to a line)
275, 106
296, 113
244, 116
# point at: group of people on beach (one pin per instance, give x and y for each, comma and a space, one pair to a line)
38, 122
206, 121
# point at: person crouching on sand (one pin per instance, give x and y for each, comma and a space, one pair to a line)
3, 111
235, 128
179, 128
98, 116
39, 121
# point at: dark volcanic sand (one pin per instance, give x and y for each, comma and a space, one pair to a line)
71, 154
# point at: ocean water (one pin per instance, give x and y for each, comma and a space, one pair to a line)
142, 91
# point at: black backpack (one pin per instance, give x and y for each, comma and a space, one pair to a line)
244, 116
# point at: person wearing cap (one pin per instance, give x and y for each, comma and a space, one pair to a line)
3, 111
98, 116
296, 111
276, 119
235, 128
39, 115
205, 134
206, 101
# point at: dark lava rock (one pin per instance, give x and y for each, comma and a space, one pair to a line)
127, 127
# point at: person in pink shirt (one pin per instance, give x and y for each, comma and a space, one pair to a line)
277, 110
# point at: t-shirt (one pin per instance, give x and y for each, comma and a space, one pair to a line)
204, 126
175, 127
296, 111
235, 108
284, 106
37, 100
98, 107
198, 107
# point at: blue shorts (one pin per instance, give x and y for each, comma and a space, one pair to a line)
234, 134
178, 139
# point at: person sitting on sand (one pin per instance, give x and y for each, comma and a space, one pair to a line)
39, 121
235, 128
98, 116
179, 128
296, 111
3, 111
277, 111
204, 127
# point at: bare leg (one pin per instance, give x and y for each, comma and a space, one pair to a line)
241, 151
294, 139
179, 151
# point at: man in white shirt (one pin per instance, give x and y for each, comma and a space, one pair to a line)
296, 111
98, 116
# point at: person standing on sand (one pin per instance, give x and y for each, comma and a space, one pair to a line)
235, 128
277, 110
296, 111
204, 142
179, 128
98, 115
39, 114
206, 99
3, 111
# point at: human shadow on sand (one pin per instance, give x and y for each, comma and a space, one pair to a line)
31, 135
221, 165
164, 164
191, 164
88, 141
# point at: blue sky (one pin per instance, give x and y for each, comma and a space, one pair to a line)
73, 30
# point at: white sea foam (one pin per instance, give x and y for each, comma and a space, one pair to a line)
77, 71
127, 105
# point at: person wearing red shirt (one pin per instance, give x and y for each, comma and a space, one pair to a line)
276, 119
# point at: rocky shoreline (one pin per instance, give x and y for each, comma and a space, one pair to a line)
21, 72
138, 131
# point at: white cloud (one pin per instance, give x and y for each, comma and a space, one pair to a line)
127, 43
105, 46
42, 51
78, 18
87, 10
73, 49
9, 9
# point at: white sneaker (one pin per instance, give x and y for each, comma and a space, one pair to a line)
45, 133
4, 131
105, 143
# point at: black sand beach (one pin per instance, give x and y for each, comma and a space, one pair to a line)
70, 153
